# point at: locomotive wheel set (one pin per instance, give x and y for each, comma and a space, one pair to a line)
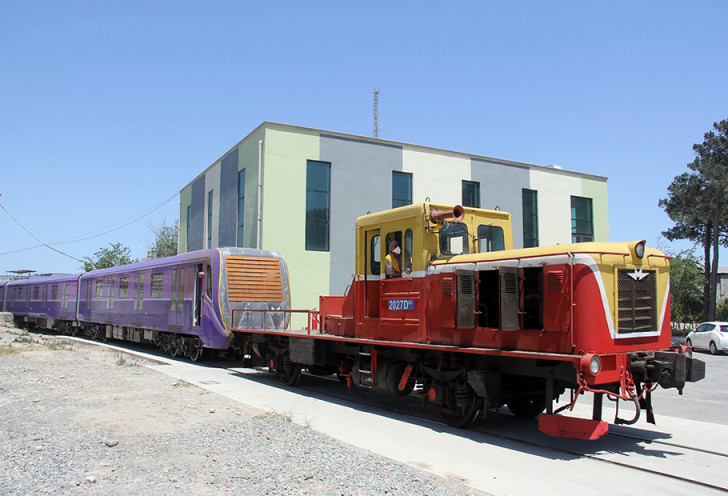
468, 324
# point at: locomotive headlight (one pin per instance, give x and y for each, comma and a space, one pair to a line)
638, 249
591, 364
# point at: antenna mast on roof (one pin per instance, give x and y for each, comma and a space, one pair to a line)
376, 112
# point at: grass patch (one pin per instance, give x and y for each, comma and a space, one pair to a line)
59, 345
271, 415
7, 350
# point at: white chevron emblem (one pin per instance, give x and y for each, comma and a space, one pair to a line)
638, 275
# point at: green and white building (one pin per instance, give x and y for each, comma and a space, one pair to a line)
315, 183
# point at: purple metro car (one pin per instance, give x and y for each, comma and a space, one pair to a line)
184, 304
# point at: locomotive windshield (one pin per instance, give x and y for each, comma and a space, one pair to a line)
490, 238
453, 238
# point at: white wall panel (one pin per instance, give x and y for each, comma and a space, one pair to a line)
438, 176
554, 205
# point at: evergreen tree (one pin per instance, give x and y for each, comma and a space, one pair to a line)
697, 203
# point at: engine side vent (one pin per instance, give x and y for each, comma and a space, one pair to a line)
254, 279
447, 286
637, 301
555, 282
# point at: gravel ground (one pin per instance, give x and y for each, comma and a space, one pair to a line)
80, 419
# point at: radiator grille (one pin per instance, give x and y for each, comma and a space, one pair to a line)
254, 279
637, 301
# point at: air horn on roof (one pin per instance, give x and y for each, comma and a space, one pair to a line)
457, 213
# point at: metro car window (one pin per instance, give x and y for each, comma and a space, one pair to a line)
99, 289
157, 282
124, 287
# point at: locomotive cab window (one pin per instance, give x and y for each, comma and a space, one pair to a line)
407, 251
394, 259
490, 238
453, 238
375, 255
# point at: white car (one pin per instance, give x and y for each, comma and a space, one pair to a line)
711, 336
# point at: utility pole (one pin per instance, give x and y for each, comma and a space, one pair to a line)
376, 112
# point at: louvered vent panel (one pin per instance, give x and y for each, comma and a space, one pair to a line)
254, 279
637, 302
511, 283
555, 282
447, 287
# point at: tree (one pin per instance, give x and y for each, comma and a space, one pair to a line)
164, 243
686, 287
104, 258
698, 204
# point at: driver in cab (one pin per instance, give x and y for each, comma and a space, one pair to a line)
393, 260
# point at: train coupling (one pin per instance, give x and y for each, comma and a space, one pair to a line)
669, 369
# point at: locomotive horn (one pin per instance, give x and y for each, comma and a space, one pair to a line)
458, 213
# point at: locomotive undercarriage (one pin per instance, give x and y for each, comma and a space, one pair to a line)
460, 386
463, 387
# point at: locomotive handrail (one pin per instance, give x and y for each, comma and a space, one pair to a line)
312, 318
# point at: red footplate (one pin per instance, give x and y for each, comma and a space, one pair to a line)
572, 427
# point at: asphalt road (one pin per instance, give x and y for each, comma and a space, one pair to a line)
705, 400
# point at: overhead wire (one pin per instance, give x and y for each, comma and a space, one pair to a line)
36, 237
91, 234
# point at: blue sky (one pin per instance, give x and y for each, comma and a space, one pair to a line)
110, 108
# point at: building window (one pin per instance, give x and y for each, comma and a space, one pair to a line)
582, 220
401, 189
241, 206
530, 218
209, 219
471, 194
189, 226
318, 187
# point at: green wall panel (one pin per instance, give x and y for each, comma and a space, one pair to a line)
597, 190
284, 213
185, 200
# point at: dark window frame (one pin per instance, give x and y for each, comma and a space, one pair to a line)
401, 198
582, 219
318, 220
209, 219
240, 233
529, 203
474, 194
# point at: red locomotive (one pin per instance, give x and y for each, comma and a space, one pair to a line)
462, 318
